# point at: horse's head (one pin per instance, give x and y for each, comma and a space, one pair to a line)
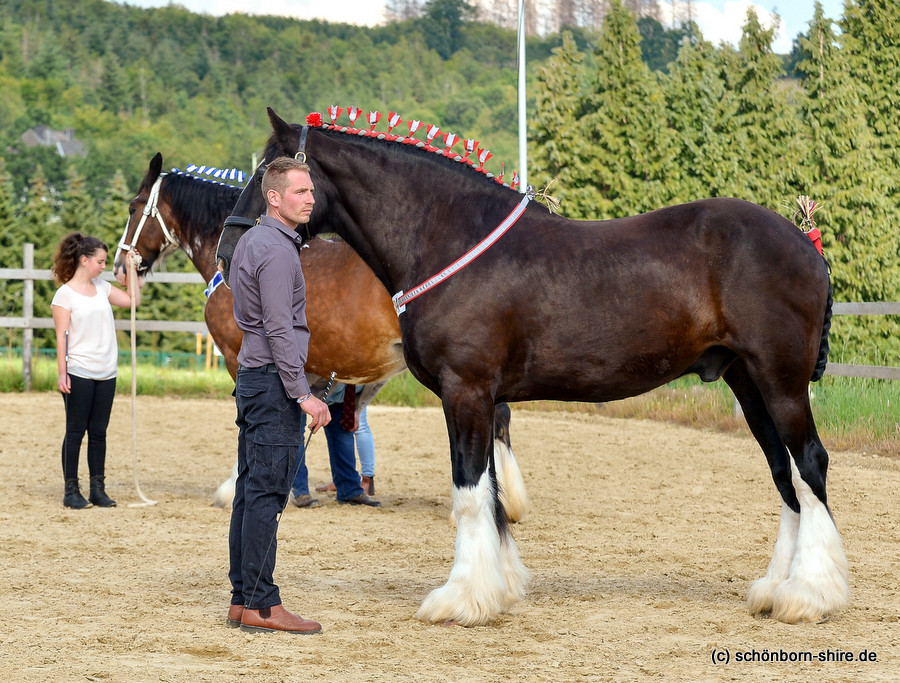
146, 228
287, 140
284, 142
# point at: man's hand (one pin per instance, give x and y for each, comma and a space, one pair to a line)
318, 413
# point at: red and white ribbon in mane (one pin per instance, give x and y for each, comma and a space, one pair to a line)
471, 145
400, 299
483, 156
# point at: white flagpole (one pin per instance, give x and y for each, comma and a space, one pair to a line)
523, 133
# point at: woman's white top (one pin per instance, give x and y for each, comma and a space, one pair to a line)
93, 352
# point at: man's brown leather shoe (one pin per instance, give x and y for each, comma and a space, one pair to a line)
277, 618
235, 612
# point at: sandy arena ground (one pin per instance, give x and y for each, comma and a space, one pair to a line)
642, 539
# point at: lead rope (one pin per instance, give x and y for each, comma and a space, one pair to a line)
133, 259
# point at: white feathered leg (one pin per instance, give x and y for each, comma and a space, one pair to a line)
488, 576
762, 592
224, 495
512, 486
817, 586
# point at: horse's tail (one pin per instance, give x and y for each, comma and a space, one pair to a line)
822, 360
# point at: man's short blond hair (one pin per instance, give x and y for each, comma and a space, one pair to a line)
275, 177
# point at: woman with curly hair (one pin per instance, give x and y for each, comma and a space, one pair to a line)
87, 355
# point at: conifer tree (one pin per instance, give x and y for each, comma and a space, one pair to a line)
625, 162
702, 114
10, 246
111, 93
38, 222
77, 210
871, 36
39, 225
7, 217
766, 128
857, 219
553, 127
442, 21
114, 210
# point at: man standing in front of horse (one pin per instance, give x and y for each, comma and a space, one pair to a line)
271, 393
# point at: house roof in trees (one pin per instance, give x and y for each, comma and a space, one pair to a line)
63, 140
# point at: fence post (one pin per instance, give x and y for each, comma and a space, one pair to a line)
28, 314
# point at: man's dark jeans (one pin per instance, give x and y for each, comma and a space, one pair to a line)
269, 437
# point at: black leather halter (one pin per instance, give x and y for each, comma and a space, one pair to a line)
301, 146
256, 181
234, 226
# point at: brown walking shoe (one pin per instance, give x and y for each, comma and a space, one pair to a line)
277, 618
235, 612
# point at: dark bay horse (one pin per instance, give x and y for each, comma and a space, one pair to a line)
354, 330
583, 311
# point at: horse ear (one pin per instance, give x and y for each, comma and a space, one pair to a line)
155, 167
282, 130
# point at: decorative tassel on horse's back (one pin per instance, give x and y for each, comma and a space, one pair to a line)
551, 202
807, 224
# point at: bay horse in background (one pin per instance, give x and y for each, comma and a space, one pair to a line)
583, 311
354, 330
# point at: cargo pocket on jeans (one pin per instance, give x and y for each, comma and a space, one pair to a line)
248, 389
276, 454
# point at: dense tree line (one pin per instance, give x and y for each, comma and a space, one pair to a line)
618, 138
623, 119
132, 82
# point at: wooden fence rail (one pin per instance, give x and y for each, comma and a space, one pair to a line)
28, 274
869, 371
28, 323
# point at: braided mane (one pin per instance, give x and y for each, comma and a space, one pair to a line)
199, 205
435, 142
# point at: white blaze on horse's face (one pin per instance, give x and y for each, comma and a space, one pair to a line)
119, 261
150, 210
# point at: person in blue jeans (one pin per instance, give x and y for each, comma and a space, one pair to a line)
365, 447
342, 458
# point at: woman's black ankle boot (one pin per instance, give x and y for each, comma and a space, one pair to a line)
98, 494
73, 498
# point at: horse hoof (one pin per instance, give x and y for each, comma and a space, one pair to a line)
761, 596
801, 601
